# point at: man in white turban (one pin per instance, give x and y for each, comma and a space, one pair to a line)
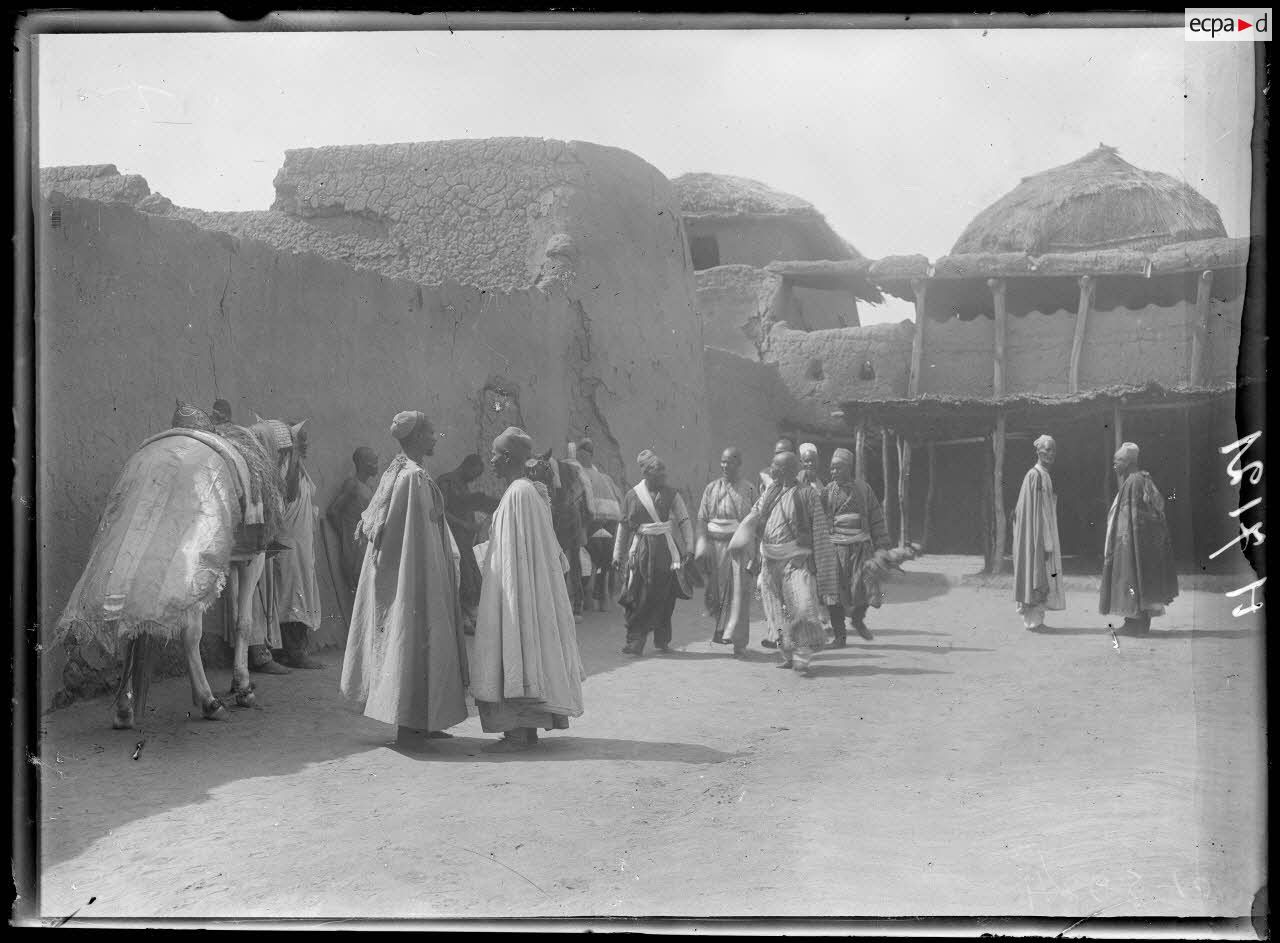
527, 672
809, 471
1138, 575
1037, 554
406, 657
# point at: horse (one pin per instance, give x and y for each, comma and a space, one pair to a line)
194, 512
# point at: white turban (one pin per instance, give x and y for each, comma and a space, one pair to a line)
1044, 443
807, 449
404, 423
1129, 451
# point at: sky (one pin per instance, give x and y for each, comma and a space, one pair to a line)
899, 137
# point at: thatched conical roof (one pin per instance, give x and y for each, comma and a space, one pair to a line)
1097, 202
723, 196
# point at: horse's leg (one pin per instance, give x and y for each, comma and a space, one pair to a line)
123, 704
144, 647
201, 693
246, 586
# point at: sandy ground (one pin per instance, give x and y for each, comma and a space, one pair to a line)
957, 764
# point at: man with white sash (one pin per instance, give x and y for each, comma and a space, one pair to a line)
725, 502
798, 565
857, 532
654, 537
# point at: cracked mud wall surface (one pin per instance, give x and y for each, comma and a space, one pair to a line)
508, 213
136, 310
822, 369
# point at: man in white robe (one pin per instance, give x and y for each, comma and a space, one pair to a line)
297, 591
527, 672
1037, 555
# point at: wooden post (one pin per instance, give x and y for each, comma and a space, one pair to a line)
997, 286
1117, 423
997, 449
904, 491
920, 287
929, 497
1200, 330
988, 505
1107, 478
889, 488
1082, 320
860, 451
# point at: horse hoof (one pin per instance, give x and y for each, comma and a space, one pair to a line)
214, 710
123, 720
246, 699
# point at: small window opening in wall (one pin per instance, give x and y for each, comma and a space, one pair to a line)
868, 372
815, 370
705, 252
55, 219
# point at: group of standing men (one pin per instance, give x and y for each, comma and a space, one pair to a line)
406, 661
812, 546
1138, 574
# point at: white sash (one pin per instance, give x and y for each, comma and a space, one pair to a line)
646, 499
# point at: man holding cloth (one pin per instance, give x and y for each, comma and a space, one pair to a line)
527, 672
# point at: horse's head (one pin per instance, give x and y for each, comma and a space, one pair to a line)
286, 445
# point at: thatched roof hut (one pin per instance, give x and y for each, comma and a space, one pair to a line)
723, 198
1097, 202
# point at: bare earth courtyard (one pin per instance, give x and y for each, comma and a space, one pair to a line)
956, 765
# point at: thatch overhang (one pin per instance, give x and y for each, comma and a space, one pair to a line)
844, 275
940, 417
1125, 277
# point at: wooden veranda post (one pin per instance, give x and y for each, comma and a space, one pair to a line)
997, 286
997, 450
904, 490
920, 287
1117, 423
1082, 320
1200, 330
860, 451
890, 485
928, 498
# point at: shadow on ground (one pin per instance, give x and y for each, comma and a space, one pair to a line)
1155, 635
565, 747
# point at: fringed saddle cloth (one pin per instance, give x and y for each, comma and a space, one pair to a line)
250, 536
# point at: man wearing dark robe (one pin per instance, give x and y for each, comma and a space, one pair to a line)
857, 532
1037, 555
655, 540
460, 506
1138, 575
345, 509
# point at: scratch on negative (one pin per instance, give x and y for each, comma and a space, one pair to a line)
490, 857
